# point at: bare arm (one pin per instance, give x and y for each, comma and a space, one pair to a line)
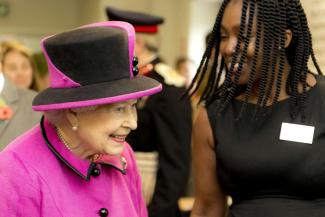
209, 200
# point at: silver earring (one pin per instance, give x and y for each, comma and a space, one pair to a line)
74, 128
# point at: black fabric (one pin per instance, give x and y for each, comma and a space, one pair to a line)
91, 55
265, 176
98, 59
135, 18
94, 91
164, 125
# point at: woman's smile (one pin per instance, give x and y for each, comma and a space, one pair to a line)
118, 138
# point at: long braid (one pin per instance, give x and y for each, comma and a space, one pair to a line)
319, 71
304, 70
231, 91
214, 39
267, 48
274, 23
214, 77
215, 80
282, 28
252, 73
221, 67
298, 64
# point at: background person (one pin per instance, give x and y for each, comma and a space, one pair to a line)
16, 114
185, 67
18, 65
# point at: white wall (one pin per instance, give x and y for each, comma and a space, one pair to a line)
314, 10
202, 17
30, 20
89, 11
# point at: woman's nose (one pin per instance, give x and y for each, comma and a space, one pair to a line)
131, 120
230, 47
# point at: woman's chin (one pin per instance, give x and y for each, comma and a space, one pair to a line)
117, 150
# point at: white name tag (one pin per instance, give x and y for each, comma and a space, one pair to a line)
297, 133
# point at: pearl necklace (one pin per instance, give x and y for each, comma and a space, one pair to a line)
65, 143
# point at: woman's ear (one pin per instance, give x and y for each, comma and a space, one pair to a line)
288, 37
71, 117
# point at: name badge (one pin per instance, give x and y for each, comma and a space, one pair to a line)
297, 133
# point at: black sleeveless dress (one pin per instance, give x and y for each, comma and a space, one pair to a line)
266, 176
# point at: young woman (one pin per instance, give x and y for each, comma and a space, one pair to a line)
18, 65
259, 138
76, 162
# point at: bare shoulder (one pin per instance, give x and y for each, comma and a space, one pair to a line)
202, 128
311, 80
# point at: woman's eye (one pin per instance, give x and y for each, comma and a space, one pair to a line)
223, 37
120, 109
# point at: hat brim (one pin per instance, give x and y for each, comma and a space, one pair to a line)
96, 94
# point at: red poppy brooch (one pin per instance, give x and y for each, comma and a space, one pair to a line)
5, 111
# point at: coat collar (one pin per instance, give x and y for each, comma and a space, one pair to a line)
10, 92
79, 166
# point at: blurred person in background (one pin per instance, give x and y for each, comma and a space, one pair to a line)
186, 68
76, 162
16, 114
18, 65
165, 121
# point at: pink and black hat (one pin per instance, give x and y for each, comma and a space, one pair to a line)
92, 65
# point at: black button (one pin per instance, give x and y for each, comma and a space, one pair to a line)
135, 71
95, 172
135, 61
103, 212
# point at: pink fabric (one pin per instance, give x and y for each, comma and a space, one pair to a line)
34, 182
57, 78
101, 101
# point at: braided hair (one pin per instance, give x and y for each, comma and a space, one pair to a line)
273, 17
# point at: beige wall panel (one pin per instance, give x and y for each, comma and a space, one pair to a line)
315, 10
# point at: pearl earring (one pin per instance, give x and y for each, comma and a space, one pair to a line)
74, 128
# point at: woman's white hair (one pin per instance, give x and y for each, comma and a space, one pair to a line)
56, 117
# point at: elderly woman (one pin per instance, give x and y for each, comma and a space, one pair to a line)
76, 162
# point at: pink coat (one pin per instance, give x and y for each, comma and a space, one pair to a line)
40, 179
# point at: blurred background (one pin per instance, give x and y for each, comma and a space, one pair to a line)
186, 21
